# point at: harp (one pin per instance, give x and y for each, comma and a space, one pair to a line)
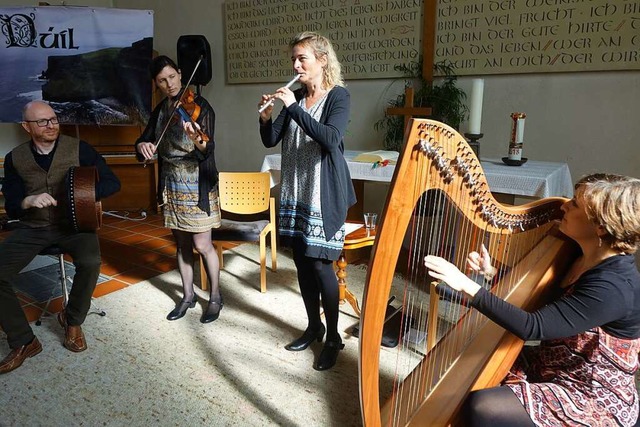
439, 203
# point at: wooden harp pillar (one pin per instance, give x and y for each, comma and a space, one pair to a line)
439, 203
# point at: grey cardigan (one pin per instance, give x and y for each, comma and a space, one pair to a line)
336, 189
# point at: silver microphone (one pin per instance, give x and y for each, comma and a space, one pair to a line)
288, 85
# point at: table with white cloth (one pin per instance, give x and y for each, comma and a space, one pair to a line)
533, 179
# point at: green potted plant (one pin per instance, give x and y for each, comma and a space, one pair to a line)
445, 98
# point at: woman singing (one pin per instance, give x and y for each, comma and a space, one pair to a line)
316, 188
188, 189
582, 372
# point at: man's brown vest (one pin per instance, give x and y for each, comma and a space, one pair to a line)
37, 180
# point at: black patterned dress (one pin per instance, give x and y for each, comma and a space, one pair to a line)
301, 224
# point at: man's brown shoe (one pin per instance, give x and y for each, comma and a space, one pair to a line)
73, 336
18, 355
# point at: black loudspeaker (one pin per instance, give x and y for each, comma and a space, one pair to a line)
190, 49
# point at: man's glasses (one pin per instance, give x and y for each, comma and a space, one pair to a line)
44, 122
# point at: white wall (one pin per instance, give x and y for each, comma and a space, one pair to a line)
589, 120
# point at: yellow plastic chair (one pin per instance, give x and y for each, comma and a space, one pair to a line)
245, 193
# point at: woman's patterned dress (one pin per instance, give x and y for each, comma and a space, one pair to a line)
180, 171
300, 208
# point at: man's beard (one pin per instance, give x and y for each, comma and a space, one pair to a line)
49, 139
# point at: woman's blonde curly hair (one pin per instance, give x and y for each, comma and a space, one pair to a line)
322, 47
613, 202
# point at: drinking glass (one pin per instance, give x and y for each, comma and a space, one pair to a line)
370, 220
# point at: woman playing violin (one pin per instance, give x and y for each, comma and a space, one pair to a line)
187, 191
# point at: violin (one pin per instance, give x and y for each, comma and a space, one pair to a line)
187, 109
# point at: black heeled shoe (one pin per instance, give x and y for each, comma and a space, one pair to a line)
213, 311
306, 339
181, 308
328, 355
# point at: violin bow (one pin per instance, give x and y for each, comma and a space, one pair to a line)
177, 103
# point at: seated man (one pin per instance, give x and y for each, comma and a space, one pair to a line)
34, 191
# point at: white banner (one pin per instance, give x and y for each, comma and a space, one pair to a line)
90, 64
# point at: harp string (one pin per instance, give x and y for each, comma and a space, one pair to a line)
435, 210
413, 304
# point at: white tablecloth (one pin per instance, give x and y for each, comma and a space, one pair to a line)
532, 179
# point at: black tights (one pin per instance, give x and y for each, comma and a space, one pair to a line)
496, 407
186, 242
317, 278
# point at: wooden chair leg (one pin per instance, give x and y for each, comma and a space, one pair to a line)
204, 281
263, 264
274, 265
219, 251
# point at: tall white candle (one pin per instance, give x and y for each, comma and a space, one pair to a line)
475, 108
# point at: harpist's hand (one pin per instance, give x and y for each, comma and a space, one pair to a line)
147, 149
481, 263
442, 269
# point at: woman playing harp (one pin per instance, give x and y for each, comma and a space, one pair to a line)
582, 373
440, 204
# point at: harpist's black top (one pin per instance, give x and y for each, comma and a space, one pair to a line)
606, 296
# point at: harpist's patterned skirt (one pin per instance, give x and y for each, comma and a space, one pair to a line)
181, 211
585, 380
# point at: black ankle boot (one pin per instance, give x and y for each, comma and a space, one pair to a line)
213, 311
181, 308
328, 355
306, 339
